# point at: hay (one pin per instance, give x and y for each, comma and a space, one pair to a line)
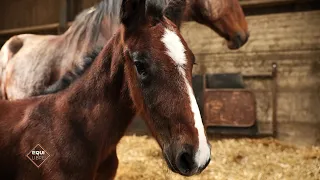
243, 159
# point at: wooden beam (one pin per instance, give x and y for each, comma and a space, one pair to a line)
31, 29
259, 3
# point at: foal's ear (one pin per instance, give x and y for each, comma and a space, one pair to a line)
133, 14
174, 11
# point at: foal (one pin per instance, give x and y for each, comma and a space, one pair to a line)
145, 68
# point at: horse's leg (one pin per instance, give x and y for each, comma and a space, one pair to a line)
107, 169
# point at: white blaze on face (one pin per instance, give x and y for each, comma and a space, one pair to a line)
176, 51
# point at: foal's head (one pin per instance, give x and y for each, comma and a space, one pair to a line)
158, 66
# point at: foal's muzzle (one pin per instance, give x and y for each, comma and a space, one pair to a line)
182, 160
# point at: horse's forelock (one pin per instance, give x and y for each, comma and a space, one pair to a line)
155, 8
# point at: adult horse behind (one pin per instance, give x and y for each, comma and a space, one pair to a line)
30, 63
145, 68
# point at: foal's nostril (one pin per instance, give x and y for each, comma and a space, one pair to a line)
185, 163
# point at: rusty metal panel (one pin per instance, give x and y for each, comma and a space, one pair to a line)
234, 108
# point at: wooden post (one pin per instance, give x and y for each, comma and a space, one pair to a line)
63, 19
74, 8
274, 100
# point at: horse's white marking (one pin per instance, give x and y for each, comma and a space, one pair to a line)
203, 153
176, 51
175, 48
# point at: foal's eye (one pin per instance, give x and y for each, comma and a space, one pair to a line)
141, 69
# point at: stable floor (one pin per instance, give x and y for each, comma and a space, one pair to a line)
235, 159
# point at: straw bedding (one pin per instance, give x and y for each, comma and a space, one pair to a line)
243, 159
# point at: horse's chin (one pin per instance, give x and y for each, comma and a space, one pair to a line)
170, 164
235, 44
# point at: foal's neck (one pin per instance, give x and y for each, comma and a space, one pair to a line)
100, 99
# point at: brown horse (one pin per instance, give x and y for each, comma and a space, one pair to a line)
145, 68
31, 63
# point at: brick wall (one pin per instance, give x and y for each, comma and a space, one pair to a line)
292, 40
